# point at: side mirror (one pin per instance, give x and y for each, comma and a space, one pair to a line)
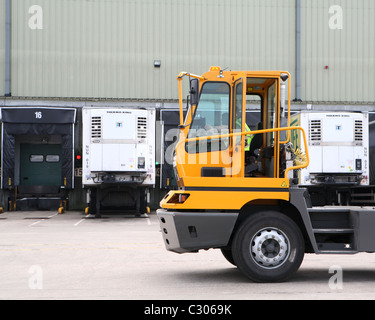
194, 91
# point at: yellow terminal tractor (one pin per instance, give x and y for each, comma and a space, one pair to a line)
235, 191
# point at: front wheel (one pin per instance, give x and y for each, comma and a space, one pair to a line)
227, 253
268, 247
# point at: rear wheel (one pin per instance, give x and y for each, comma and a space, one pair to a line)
268, 247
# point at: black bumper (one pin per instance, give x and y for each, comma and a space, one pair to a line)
192, 231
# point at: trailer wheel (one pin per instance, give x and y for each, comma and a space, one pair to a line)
268, 247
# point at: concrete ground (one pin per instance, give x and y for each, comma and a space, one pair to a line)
44, 255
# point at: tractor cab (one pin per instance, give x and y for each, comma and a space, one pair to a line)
218, 150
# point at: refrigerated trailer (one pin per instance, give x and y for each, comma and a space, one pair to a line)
339, 154
118, 158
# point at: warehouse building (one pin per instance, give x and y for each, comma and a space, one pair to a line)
57, 57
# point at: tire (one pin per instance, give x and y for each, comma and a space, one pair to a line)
268, 247
227, 253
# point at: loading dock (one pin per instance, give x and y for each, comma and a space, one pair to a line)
37, 157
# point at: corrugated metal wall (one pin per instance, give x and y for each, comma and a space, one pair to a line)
2, 47
106, 48
349, 52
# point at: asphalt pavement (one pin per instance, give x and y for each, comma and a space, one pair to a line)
47, 256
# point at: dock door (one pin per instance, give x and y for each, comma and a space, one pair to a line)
37, 157
40, 165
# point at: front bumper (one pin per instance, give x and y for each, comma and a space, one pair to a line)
192, 231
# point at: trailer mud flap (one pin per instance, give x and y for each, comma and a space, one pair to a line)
192, 231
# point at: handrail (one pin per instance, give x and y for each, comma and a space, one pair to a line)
246, 133
289, 93
183, 74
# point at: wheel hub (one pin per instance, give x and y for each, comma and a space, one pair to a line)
269, 248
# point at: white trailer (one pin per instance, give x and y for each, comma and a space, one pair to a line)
118, 158
338, 145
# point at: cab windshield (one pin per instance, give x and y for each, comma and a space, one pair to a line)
212, 113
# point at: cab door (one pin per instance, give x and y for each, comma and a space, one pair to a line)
211, 155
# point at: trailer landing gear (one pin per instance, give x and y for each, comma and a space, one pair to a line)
117, 200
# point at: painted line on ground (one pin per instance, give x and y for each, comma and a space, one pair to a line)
148, 219
80, 221
39, 221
